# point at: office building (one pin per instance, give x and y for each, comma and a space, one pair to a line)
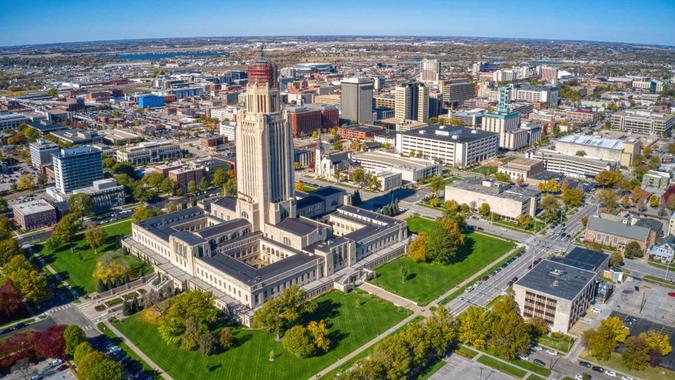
309, 118
148, 101
522, 168
356, 100
182, 176
412, 169
456, 91
508, 201
557, 292
430, 71
642, 122
456, 146
105, 194
412, 102
572, 165
534, 94
34, 214
360, 132
507, 125
549, 74
246, 251
75, 168
41, 152
614, 150
656, 180
470, 118
149, 151
75, 136
12, 120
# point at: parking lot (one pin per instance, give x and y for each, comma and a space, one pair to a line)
43, 370
648, 301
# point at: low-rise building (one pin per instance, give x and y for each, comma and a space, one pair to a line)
34, 214
572, 165
621, 151
557, 292
360, 132
149, 151
456, 146
411, 169
656, 179
617, 234
642, 122
506, 200
663, 250
12, 120
522, 168
41, 152
185, 174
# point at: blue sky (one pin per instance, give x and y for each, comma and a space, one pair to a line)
46, 21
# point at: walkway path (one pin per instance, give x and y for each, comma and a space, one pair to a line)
364, 347
138, 351
395, 299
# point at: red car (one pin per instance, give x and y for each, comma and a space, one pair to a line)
672, 294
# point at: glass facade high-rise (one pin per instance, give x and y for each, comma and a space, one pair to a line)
356, 100
75, 168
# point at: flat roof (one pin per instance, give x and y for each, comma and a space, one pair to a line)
592, 141
449, 134
557, 279
583, 258
394, 160
32, 207
501, 191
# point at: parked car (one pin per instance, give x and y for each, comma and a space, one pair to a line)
552, 352
538, 348
598, 369
585, 364
626, 377
596, 309
55, 362
539, 362
610, 373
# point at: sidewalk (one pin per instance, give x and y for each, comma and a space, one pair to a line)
395, 299
138, 351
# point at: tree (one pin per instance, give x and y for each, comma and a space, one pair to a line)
111, 267
320, 335
474, 326
358, 175
572, 197
444, 241
436, 184
417, 249
3, 205
25, 182
298, 341
80, 204
230, 187
404, 273
615, 259
551, 208
549, 186
607, 198
608, 178
635, 354
31, 284
283, 311
95, 237
8, 249
96, 366
539, 326
509, 334
654, 201
64, 231
144, 212
657, 341
207, 343
82, 350
73, 336
337, 144
197, 305
49, 343
219, 177
524, 221
632, 249
503, 177
192, 187
167, 186
484, 210
602, 341
10, 301
203, 184
226, 338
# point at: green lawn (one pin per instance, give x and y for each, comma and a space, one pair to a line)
78, 272
562, 344
350, 327
661, 265
427, 373
150, 373
417, 224
531, 367
485, 170
615, 362
466, 352
427, 281
501, 366
659, 281
535, 377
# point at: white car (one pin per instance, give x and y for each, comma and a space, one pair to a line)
610, 373
524, 357
579, 377
538, 348
626, 377
596, 309
552, 352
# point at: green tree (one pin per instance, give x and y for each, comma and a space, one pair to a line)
607, 198
572, 197
80, 204
52, 92
551, 208
320, 335
602, 341
298, 341
96, 366
195, 304
81, 351
144, 212
192, 187
484, 210
8, 249
65, 230
26, 279
654, 201
230, 187
219, 177
444, 241
436, 184
167, 186
207, 343
95, 237
657, 342
226, 338
3, 204
203, 184
633, 249
283, 311
73, 335
615, 259
503, 177
635, 354
524, 221
474, 326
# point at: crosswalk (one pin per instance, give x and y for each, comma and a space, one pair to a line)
59, 308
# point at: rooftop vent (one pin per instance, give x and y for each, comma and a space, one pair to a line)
555, 283
556, 272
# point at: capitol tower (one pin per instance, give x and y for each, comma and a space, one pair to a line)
265, 174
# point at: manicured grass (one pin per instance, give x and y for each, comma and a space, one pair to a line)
531, 367
661, 265
130, 353
485, 170
466, 352
501, 366
427, 281
78, 272
537, 225
535, 377
417, 224
350, 326
562, 344
615, 363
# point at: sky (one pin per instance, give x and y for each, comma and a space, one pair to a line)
48, 21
